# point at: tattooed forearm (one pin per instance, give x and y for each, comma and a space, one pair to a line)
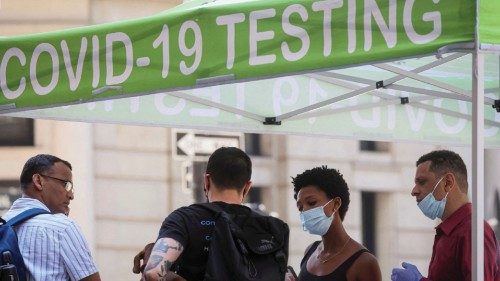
163, 255
165, 268
153, 262
165, 246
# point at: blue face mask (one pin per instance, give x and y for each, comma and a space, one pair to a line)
315, 220
431, 207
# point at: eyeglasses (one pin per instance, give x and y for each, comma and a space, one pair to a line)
67, 184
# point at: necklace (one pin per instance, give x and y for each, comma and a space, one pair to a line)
333, 255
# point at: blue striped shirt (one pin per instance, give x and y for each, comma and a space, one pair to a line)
52, 245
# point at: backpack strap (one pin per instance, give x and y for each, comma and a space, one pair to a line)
219, 212
28, 214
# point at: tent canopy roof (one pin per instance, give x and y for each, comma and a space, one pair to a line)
379, 70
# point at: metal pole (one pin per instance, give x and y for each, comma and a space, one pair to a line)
478, 166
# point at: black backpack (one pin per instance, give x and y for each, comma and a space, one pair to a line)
255, 249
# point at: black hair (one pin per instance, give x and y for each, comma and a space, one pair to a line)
330, 181
38, 164
229, 168
446, 161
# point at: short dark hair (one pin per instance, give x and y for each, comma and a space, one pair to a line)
330, 181
38, 164
229, 168
445, 161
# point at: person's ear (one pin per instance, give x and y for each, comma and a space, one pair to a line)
335, 205
36, 179
206, 184
449, 182
246, 188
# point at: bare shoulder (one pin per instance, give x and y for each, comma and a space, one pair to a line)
366, 259
365, 268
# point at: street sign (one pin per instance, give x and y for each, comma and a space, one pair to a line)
191, 145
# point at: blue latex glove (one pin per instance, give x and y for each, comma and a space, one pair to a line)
409, 272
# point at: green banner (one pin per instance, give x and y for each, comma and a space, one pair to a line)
423, 119
489, 22
200, 44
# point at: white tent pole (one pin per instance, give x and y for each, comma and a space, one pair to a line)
191, 98
366, 89
478, 166
335, 78
414, 101
424, 79
361, 106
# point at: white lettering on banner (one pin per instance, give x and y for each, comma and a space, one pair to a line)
123, 38
388, 30
327, 7
351, 26
373, 122
279, 91
159, 100
445, 128
391, 117
164, 40
256, 36
316, 93
416, 121
195, 50
91, 105
434, 17
391, 111
96, 72
108, 105
295, 31
74, 77
12, 94
230, 21
47, 48
293, 24
213, 93
135, 102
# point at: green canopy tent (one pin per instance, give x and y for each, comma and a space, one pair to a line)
365, 69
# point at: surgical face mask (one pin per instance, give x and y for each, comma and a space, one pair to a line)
315, 220
431, 207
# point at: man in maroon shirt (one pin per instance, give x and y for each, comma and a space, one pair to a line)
441, 192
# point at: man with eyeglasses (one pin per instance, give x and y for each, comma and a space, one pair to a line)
52, 245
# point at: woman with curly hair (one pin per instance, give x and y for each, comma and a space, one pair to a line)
322, 198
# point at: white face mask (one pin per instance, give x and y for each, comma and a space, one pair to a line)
315, 220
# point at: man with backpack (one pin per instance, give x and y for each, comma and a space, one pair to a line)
221, 240
51, 244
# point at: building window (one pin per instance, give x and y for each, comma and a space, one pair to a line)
373, 146
9, 192
16, 131
258, 145
368, 203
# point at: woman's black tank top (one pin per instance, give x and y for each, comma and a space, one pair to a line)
338, 275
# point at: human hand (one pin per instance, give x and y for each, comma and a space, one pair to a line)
289, 277
409, 272
144, 256
290, 274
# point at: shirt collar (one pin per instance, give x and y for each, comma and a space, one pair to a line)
454, 220
27, 203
